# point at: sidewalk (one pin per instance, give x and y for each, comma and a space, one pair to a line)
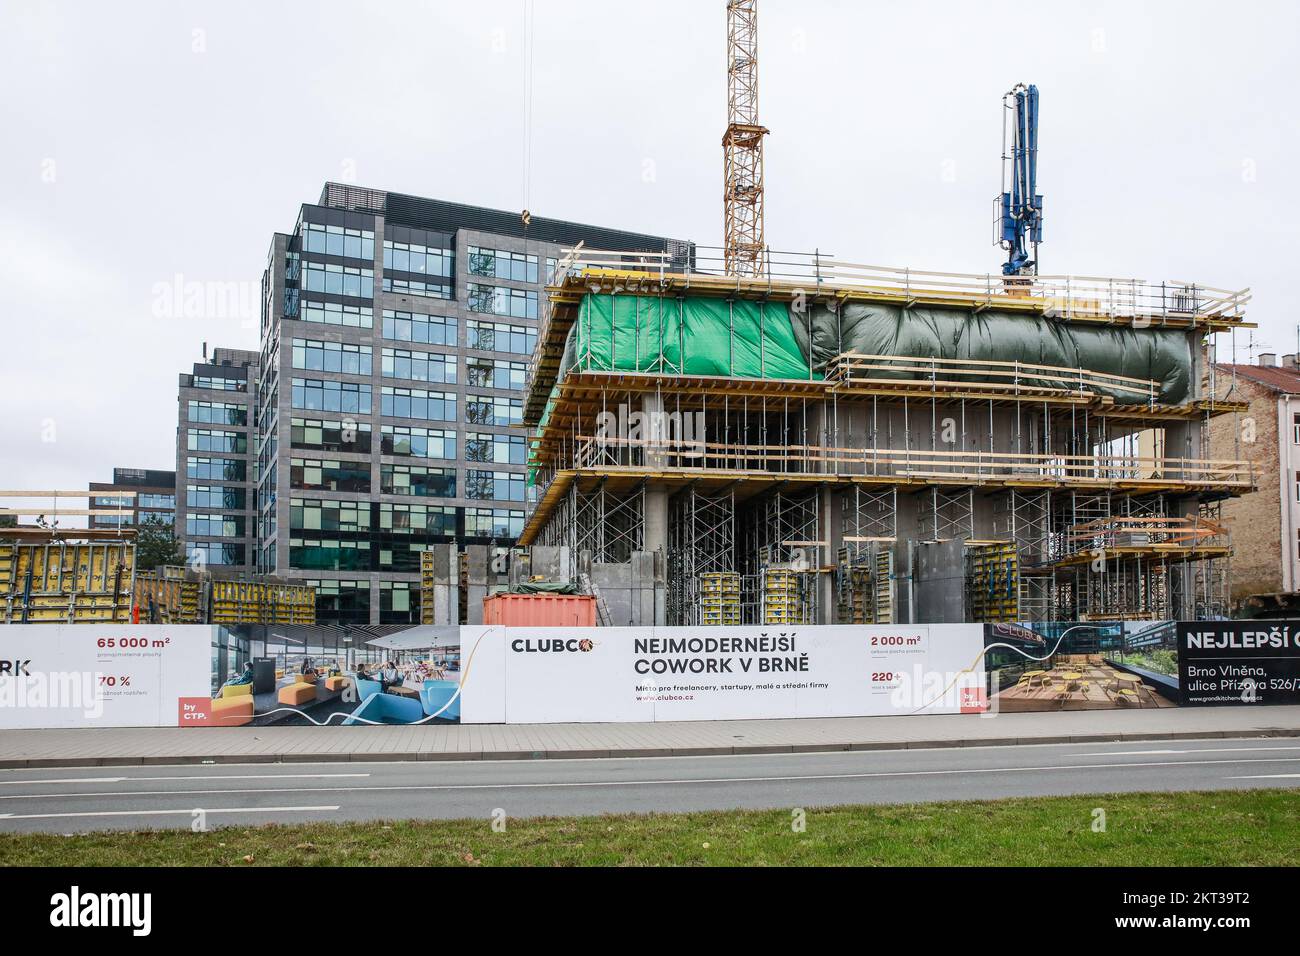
166, 745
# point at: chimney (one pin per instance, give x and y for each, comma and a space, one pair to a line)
1289, 361
1268, 358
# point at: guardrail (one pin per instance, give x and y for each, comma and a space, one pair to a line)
854, 368
1066, 296
594, 453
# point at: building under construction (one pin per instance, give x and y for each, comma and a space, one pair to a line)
836, 443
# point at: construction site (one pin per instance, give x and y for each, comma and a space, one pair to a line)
802, 439
741, 435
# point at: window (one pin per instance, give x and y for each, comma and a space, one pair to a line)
218, 413
493, 523
403, 286
313, 474
403, 556
214, 439
338, 241
493, 410
222, 384
202, 525
1295, 429
166, 517
500, 337
334, 313
314, 514
316, 395
417, 259
418, 403
411, 442
341, 357
420, 366
417, 481
417, 519
215, 469
210, 552
495, 373
330, 436
500, 300
326, 553
494, 485
214, 496
338, 280
497, 449
151, 500
498, 264
423, 329
399, 602
342, 601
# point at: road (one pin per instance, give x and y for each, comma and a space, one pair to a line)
97, 798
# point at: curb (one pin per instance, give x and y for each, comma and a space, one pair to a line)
153, 760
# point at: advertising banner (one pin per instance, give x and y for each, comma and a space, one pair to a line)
1239, 662
544, 675
109, 675
1071, 665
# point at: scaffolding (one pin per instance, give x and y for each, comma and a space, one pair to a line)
701, 545
802, 485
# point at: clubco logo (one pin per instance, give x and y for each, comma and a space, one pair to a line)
580, 645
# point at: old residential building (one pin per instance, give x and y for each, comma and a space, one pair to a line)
1265, 525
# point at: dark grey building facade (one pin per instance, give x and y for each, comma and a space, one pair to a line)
396, 334
215, 474
151, 496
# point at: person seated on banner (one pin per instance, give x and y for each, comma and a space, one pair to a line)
389, 676
243, 677
309, 668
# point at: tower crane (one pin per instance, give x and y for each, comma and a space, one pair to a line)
1020, 206
742, 146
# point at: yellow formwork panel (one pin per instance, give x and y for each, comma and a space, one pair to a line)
66, 582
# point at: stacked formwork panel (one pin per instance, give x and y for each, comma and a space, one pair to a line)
66, 582
846, 415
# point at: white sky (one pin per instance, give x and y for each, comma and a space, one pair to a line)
148, 140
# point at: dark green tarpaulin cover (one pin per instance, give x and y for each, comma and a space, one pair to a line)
765, 340
1161, 355
541, 587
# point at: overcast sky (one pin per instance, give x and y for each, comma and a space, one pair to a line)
146, 143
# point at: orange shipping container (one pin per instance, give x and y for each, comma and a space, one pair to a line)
540, 610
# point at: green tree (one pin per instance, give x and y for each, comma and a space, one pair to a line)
156, 544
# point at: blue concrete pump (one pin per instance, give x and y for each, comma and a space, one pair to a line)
1021, 216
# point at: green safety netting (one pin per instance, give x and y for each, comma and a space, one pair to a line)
696, 336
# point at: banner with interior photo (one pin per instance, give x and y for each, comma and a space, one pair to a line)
1103, 665
89, 675
494, 674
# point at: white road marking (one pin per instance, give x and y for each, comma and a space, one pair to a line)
204, 776
1198, 750
570, 784
1270, 776
154, 813
180, 777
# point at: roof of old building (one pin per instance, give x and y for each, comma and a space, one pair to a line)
1272, 377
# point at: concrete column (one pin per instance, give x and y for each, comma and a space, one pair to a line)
656, 519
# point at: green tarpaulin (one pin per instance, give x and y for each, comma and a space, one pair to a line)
710, 336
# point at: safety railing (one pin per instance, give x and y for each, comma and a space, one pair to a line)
1065, 296
853, 368
613, 452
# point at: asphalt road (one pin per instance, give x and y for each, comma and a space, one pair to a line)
98, 798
